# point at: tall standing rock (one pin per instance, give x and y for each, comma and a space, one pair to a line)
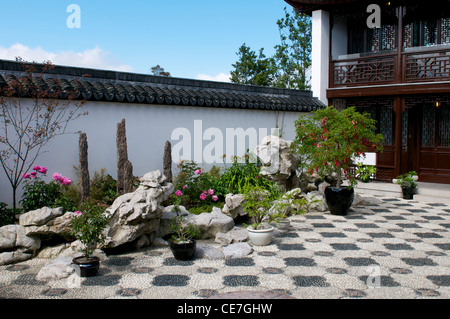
167, 162
128, 177
84, 168
122, 155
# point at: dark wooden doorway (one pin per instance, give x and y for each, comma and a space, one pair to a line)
433, 143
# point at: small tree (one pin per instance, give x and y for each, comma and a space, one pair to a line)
328, 140
31, 115
293, 55
252, 69
159, 71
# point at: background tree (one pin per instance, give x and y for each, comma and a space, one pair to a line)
252, 69
287, 68
159, 71
31, 115
293, 55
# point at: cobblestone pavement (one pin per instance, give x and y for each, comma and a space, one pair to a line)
399, 249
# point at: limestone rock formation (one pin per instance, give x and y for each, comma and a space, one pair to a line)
136, 214
279, 163
15, 245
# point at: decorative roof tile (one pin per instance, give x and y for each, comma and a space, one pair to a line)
112, 86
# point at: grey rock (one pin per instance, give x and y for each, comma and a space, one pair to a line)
57, 269
40, 216
279, 163
234, 205
211, 223
57, 226
237, 250
14, 237
138, 213
235, 235
208, 252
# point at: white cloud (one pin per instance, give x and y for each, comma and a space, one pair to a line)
221, 77
90, 58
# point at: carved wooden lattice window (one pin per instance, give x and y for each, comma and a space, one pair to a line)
405, 130
426, 33
428, 126
445, 33
386, 120
444, 126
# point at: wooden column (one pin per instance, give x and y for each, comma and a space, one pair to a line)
399, 107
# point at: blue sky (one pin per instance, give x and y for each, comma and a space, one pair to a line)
190, 39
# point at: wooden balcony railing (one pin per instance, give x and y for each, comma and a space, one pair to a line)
414, 66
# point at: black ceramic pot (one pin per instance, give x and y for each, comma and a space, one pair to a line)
339, 200
408, 192
183, 251
88, 265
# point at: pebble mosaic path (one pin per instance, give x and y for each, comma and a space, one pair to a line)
399, 249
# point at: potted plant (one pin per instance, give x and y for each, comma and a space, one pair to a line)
365, 172
287, 205
408, 183
327, 141
87, 226
257, 204
182, 242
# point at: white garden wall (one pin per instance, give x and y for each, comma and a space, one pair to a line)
148, 128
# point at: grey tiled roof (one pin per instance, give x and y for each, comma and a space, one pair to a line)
123, 87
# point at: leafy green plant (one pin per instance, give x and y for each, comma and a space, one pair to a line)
183, 232
244, 173
7, 215
365, 172
205, 208
103, 187
197, 187
37, 193
407, 180
257, 204
329, 139
288, 204
88, 226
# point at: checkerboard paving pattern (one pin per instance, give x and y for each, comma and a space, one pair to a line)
399, 249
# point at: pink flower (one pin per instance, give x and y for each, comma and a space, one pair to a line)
210, 191
26, 176
205, 192
178, 193
203, 196
65, 181
184, 187
215, 198
43, 170
36, 168
56, 177
198, 171
33, 174
78, 212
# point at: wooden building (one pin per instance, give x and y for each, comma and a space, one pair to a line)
398, 71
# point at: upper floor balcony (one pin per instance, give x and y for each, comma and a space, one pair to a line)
412, 46
411, 66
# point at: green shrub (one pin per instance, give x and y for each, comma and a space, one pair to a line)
7, 215
103, 188
198, 188
244, 174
